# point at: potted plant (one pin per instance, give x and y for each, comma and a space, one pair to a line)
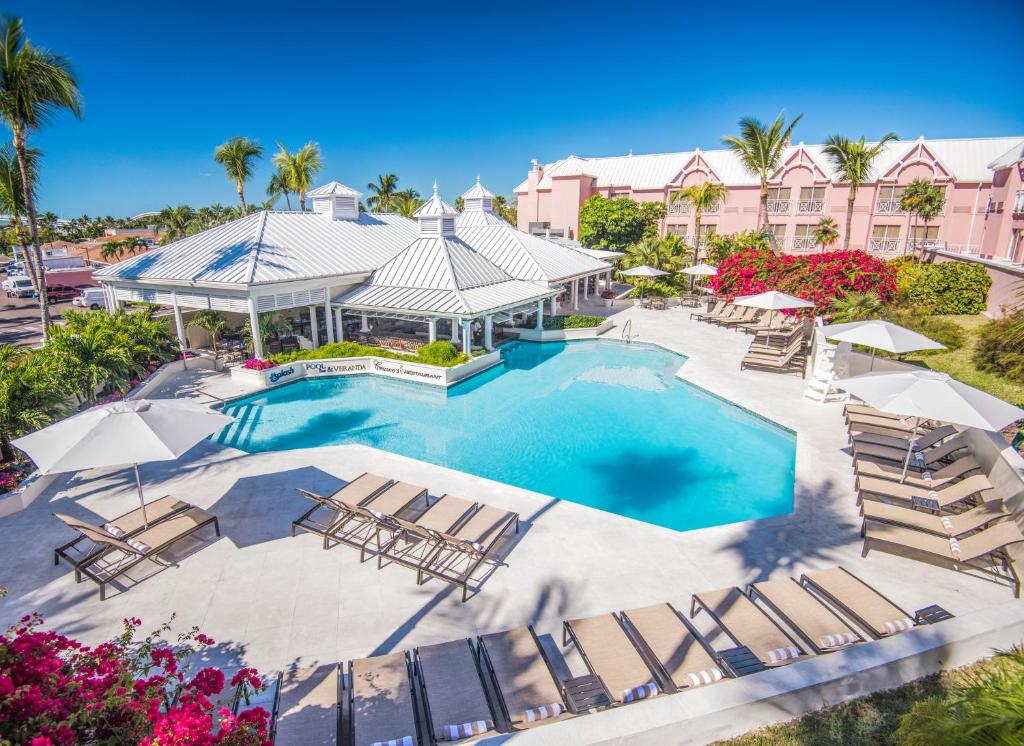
608, 296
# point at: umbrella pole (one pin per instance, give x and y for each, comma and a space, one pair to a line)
872, 366
910, 448
142, 500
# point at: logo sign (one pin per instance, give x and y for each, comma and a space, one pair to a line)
277, 375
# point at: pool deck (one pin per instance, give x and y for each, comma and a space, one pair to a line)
278, 602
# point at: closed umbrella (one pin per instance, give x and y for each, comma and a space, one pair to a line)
930, 395
643, 271
879, 334
122, 433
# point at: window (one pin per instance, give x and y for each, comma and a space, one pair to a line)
678, 206
889, 198
924, 234
705, 231
779, 231
676, 230
803, 237
778, 200
884, 238
812, 201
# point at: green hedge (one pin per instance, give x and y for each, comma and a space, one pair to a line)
1000, 347
573, 321
944, 288
941, 330
439, 353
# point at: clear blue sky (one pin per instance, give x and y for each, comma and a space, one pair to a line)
448, 90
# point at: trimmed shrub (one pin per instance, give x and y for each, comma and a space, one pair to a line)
944, 288
572, 321
354, 349
1000, 347
440, 352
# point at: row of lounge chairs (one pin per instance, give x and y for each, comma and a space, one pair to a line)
449, 540
779, 342
944, 510
105, 553
506, 681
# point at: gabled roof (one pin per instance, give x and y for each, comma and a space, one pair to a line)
1010, 158
435, 207
268, 246
478, 217
527, 257
477, 191
334, 188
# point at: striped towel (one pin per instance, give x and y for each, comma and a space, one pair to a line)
954, 547
543, 712
926, 476
113, 530
898, 625
403, 741
640, 692
790, 652
917, 458
138, 546
708, 676
838, 640
947, 523
465, 730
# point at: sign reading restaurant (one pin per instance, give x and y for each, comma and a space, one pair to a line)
384, 367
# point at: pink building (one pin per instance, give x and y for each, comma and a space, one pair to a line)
983, 214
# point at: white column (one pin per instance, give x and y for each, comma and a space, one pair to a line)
254, 323
314, 332
179, 324
110, 296
608, 280
455, 331
467, 336
576, 295
340, 321
329, 320
554, 305
586, 288
489, 331
364, 327
540, 315
432, 330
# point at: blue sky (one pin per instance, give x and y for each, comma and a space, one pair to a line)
450, 90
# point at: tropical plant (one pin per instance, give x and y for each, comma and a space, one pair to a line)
31, 396
701, 198
34, 85
857, 306
270, 322
720, 246
943, 288
89, 360
924, 200
616, 224
111, 250
760, 148
237, 156
12, 199
278, 187
382, 193
406, 203
826, 232
1000, 347
213, 323
299, 168
853, 161
668, 254
176, 222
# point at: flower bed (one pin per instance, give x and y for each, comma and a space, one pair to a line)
13, 473
256, 363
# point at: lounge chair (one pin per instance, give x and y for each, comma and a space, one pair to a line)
937, 499
820, 627
872, 611
458, 555
920, 443
941, 525
359, 524
929, 480
356, 492
526, 684
748, 314
381, 706
902, 424
747, 625
920, 460
679, 656
123, 527
452, 691
308, 710
852, 410
610, 655
771, 321
729, 312
412, 542
788, 359
118, 556
715, 309
888, 428
990, 543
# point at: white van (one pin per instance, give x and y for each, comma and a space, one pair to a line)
93, 298
20, 287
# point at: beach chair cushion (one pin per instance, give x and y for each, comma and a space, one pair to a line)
403, 741
544, 712
632, 694
783, 654
526, 682
707, 676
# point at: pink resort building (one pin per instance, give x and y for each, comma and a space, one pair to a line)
983, 217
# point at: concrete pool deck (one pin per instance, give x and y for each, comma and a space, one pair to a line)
278, 602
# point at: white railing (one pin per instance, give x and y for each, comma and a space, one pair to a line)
810, 206
804, 243
1018, 205
778, 207
888, 207
884, 245
679, 207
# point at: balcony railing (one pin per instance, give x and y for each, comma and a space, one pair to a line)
679, 207
884, 245
810, 206
1018, 206
804, 243
888, 207
778, 206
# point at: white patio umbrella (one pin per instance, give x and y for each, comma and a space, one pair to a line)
930, 395
699, 270
773, 300
122, 433
643, 271
879, 334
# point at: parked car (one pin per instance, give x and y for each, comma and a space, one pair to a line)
90, 298
20, 287
62, 293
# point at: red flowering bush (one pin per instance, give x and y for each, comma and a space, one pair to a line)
256, 364
55, 691
820, 278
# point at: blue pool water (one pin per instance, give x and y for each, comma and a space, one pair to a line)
600, 423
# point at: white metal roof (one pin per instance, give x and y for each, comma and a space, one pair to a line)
469, 218
477, 191
967, 159
527, 257
435, 207
334, 188
1011, 157
268, 247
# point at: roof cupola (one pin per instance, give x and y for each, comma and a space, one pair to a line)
436, 217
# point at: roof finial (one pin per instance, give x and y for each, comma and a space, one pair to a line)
478, 178
435, 187
631, 152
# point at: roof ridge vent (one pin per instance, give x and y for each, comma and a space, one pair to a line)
436, 217
477, 197
335, 201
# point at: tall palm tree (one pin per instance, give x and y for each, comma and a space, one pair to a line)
34, 85
759, 147
112, 250
924, 200
853, 161
382, 193
701, 198
406, 203
826, 232
299, 168
12, 200
278, 187
237, 156
176, 221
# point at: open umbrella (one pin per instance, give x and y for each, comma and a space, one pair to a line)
643, 271
122, 433
930, 395
773, 300
879, 334
699, 270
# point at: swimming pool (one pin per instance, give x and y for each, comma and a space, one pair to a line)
600, 423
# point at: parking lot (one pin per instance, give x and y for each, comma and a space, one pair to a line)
19, 320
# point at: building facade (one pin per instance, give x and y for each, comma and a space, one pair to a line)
983, 215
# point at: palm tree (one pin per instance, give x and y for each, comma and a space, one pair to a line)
857, 306
31, 396
12, 200
701, 198
826, 232
212, 323
924, 200
34, 85
176, 222
853, 161
406, 203
299, 168
237, 156
278, 187
111, 250
382, 193
759, 147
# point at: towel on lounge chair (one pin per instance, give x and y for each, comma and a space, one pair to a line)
650, 689
544, 712
466, 730
859, 601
